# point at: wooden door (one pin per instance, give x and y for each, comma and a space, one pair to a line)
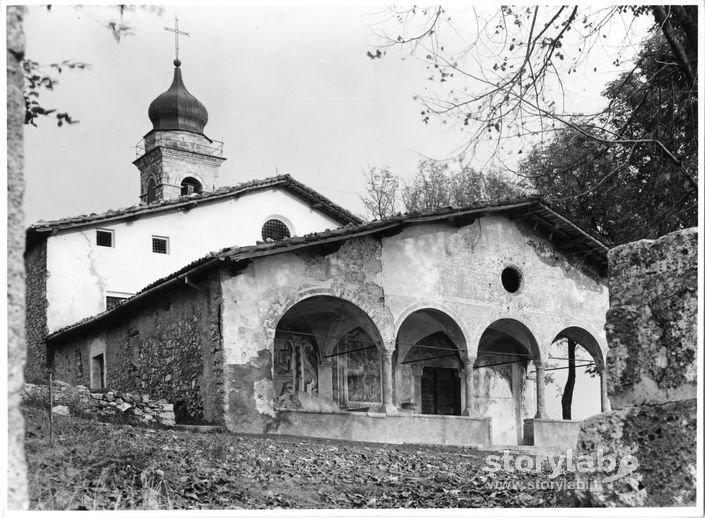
440, 391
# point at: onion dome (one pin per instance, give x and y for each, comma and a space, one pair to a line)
177, 109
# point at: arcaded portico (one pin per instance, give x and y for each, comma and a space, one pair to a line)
432, 328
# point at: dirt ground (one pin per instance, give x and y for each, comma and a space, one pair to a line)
95, 465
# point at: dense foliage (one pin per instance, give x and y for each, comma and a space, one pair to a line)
638, 178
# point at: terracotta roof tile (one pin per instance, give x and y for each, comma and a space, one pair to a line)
529, 205
284, 181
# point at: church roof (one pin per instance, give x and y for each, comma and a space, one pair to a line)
566, 236
317, 200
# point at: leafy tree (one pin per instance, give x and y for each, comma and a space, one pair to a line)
40, 77
497, 70
37, 78
435, 185
634, 178
429, 189
381, 192
627, 172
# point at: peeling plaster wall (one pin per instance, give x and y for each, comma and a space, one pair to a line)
455, 270
80, 272
459, 269
168, 348
255, 300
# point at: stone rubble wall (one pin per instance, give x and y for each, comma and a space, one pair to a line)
170, 347
104, 405
652, 334
652, 321
662, 439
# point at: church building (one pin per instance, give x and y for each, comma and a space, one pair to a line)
267, 308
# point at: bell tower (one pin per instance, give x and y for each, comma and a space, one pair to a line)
176, 158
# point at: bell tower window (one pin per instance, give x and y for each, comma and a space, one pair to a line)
190, 185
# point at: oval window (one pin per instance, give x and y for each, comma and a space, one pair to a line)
511, 279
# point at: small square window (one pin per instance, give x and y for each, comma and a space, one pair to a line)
111, 302
115, 298
104, 237
160, 245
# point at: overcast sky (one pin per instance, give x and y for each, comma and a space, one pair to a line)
288, 90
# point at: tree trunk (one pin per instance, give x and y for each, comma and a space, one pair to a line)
663, 16
567, 399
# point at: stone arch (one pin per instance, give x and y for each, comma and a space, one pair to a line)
592, 398
532, 324
516, 330
429, 357
464, 332
506, 350
585, 338
328, 347
376, 311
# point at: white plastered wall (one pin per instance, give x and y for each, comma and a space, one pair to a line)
80, 273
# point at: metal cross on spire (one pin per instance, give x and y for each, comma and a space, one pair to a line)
176, 32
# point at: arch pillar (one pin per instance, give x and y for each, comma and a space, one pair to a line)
388, 380
604, 397
469, 373
540, 392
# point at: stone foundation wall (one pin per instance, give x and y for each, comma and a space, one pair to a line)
106, 405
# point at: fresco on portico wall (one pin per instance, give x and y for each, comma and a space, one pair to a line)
356, 371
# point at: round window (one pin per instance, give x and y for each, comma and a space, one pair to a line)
511, 279
275, 230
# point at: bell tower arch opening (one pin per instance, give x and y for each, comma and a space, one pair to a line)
190, 185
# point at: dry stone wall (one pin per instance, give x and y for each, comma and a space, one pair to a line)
104, 405
170, 348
